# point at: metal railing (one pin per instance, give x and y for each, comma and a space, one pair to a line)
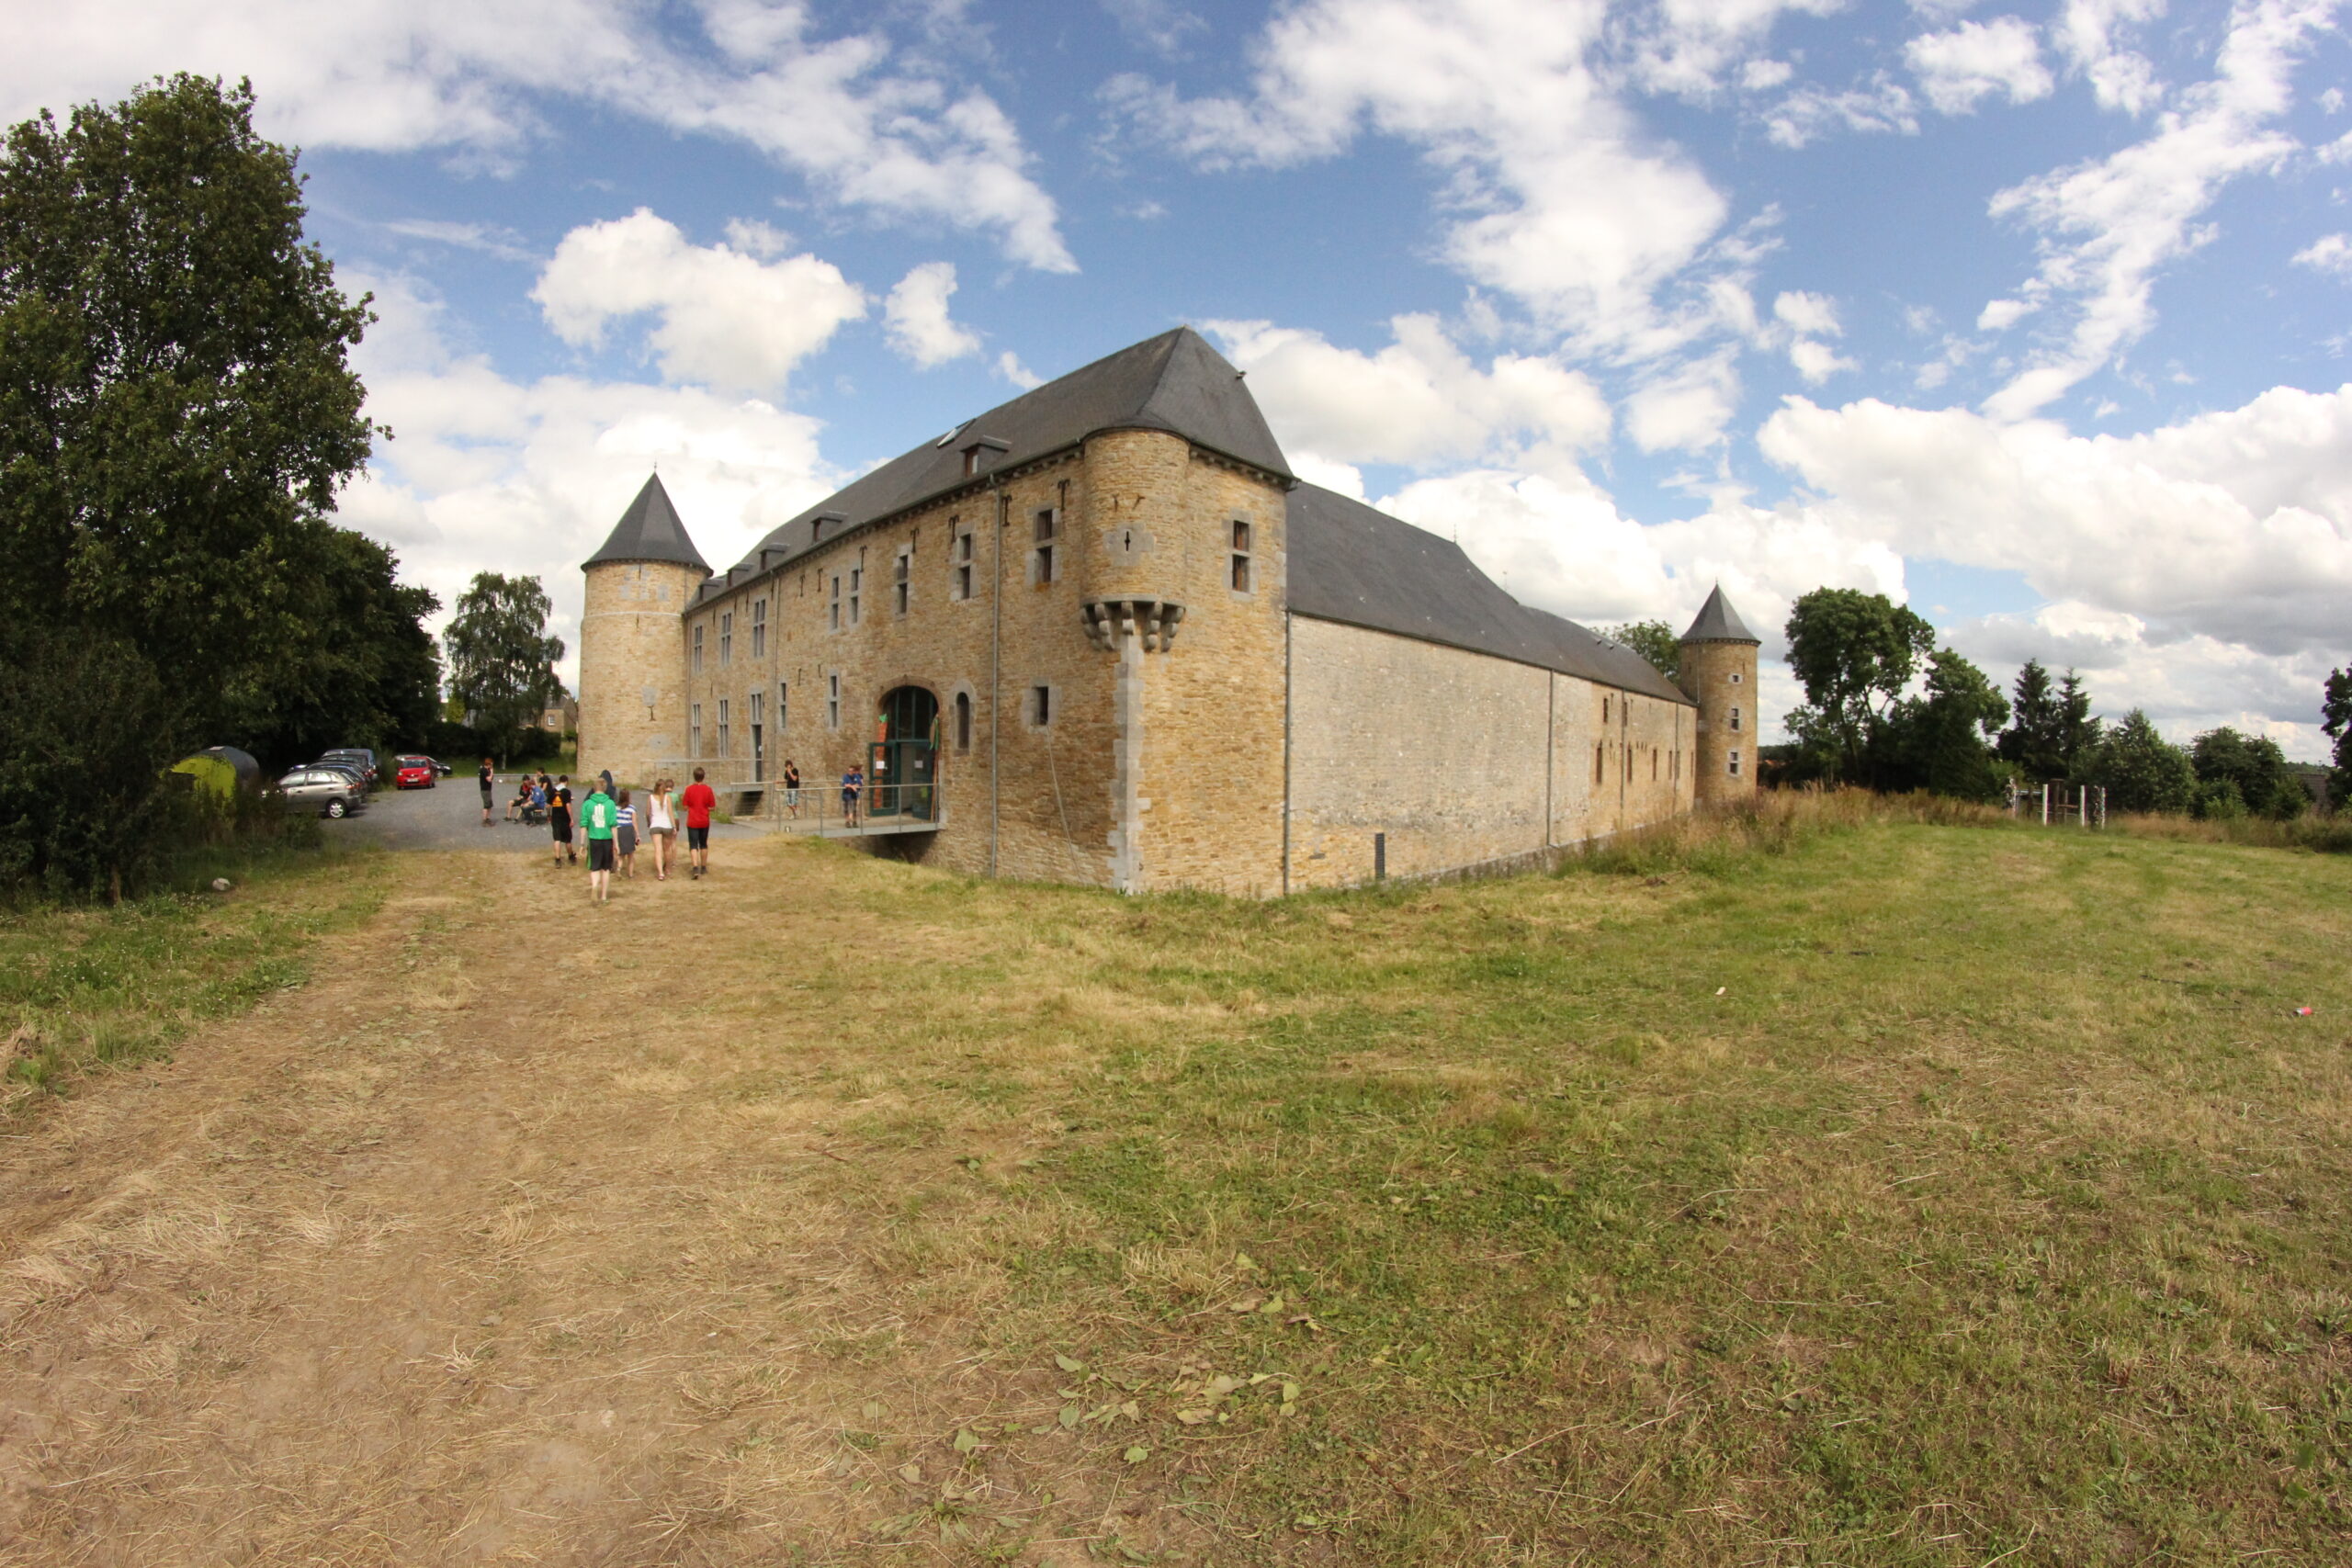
820, 810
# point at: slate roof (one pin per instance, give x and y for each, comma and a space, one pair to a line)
1718, 622
1352, 563
650, 530
1174, 382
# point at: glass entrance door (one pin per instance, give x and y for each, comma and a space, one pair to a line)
902, 770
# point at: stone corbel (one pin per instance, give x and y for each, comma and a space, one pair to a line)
1110, 621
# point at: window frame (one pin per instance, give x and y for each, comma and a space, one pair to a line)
1241, 577
1046, 522
723, 735
694, 732
760, 627
697, 644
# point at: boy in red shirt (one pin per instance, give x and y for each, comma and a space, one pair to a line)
698, 800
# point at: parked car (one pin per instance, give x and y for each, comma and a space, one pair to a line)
358, 756
348, 769
414, 772
440, 767
330, 792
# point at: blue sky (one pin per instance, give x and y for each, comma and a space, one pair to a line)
2035, 315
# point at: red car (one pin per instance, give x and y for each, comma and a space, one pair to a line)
416, 772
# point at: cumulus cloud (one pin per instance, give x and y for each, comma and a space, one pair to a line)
1418, 401
2091, 34
490, 474
2329, 252
1685, 407
2106, 227
723, 317
916, 315
1959, 68
1564, 202
2232, 526
868, 126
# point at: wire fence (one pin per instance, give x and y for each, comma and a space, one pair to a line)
2059, 805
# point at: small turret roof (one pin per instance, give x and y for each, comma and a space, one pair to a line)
650, 530
1718, 622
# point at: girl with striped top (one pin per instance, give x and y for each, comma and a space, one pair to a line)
624, 837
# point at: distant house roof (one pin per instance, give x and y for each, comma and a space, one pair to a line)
650, 531
1174, 382
1353, 563
1718, 622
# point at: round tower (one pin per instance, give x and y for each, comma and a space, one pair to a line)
632, 641
1719, 674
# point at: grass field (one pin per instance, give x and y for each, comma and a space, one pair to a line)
1913, 1195
1849, 1186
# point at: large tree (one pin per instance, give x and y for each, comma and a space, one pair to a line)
1654, 640
502, 662
2079, 730
2246, 772
1854, 653
177, 407
1942, 741
2141, 770
2335, 723
2035, 739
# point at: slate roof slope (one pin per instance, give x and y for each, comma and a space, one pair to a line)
649, 530
1174, 382
1718, 622
1353, 563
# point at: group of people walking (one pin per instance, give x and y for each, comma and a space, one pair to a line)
609, 820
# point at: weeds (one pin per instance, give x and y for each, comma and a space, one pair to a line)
1772, 823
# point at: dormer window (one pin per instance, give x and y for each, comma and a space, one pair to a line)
981, 453
971, 461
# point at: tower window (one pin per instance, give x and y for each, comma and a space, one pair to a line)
1042, 701
698, 648
1735, 721
963, 721
760, 627
1735, 677
1240, 555
726, 639
1047, 522
1733, 766
900, 587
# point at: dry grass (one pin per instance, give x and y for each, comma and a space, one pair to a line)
1840, 1188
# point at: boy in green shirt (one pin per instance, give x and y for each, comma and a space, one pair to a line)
599, 816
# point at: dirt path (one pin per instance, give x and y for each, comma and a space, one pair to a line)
451, 1256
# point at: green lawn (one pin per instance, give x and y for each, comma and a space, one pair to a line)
1916, 1195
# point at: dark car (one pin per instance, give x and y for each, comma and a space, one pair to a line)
414, 772
356, 757
330, 792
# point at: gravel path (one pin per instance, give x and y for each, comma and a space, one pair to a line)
448, 817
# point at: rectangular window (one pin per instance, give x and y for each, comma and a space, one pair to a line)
1652, 767
754, 713
900, 586
1735, 721
857, 584
1735, 764
832, 701
694, 732
1240, 556
963, 560
1046, 521
1599, 751
963, 721
759, 628
722, 726
726, 639
1604, 710
833, 609
783, 706
698, 648
1043, 697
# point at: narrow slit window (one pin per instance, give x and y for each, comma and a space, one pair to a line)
832, 701
1599, 753
1604, 710
1240, 555
1048, 522
783, 705
1041, 697
963, 721
963, 566
833, 608
856, 591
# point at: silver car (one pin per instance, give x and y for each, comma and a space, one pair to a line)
327, 791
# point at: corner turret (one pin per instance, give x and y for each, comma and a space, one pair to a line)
1718, 672
632, 641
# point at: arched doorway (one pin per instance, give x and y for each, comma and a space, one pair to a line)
903, 770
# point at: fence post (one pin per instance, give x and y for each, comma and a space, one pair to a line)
2045, 806
1380, 857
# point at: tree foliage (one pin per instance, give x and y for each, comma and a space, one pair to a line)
2335, 723
2079, 730
1654, 640
2035, 739
1942, 739
2245, 775
502, 662
2141, 770
177, 412
1854, 653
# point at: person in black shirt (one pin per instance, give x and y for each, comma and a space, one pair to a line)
559, 820
488, 783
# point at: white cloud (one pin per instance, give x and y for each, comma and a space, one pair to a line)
1817, 362
2107, 226
868, 129
489, 474
1686, 407
2087, 32
1811, 315
1959, 68
2234, 525
916, 313
724, 318
1009, 365
2000, 315
1812, 112
1570, 205
2329, 252
1419, 400
503, 244
1684, 46
1763, 75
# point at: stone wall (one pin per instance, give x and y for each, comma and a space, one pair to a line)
633, 667
1461, 759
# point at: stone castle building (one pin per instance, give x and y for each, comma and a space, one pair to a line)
1103, 634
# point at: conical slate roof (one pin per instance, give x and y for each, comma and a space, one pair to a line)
649, 530
1718, 622
1174, 382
